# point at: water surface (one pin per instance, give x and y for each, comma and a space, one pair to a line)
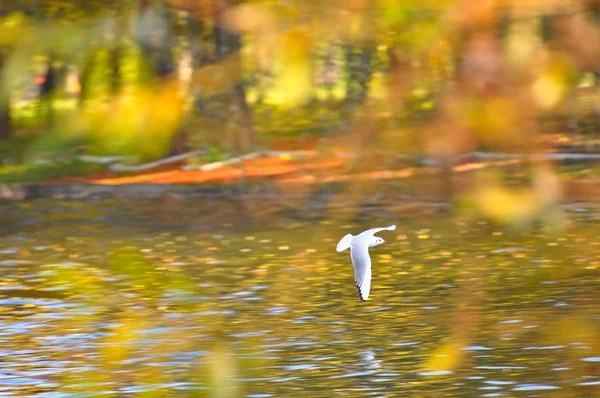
208, 298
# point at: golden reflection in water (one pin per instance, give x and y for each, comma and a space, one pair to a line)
216, 308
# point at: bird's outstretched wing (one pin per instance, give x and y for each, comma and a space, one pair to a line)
344, 243
362, 270
373, 231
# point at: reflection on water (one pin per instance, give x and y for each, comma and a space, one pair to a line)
114, 299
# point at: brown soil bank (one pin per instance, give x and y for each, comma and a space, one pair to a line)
368, 190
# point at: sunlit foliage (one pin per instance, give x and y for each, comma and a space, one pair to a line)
372, 79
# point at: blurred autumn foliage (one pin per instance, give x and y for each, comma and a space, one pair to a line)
433, 80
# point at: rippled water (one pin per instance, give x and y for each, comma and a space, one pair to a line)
201, 298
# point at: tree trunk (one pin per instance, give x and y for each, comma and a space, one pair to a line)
232, 103
115, 70
358, 72
84, 77
194, 32
5, 124
158, 52
47, 92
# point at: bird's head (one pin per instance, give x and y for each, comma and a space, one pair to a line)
375, 241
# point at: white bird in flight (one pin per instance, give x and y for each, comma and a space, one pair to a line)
359, 253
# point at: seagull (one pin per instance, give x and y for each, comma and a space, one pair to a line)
359, 253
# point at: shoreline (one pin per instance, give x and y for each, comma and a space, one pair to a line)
431, 190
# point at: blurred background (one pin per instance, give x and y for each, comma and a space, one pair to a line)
213, 152
311, 91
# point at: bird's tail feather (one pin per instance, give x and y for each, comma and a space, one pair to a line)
344, 243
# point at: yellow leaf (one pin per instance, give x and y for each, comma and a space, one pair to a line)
507, 206
293, 82
219, 76
446, 357
252, 18
547, 90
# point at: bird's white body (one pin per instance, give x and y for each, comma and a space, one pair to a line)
359, 253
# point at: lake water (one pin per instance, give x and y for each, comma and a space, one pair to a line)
233, 299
